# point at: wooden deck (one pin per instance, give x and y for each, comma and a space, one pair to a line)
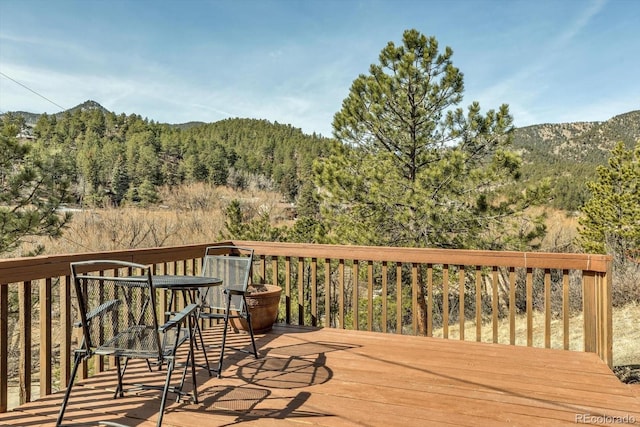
332, 377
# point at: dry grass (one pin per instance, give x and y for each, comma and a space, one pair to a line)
626, 333
557, 338
190, 214
562, 231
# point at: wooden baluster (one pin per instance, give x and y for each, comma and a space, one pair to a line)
45, 337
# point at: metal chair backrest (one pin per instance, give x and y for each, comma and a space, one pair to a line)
232, 264
117, 304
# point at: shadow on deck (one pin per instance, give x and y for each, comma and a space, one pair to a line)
330, 377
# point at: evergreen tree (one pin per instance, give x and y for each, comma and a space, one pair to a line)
218, 167
119, 182
610, 220
43, 130
31, 191
234, 224
258, 228
147, 193
307, 204
308, 227
411, 169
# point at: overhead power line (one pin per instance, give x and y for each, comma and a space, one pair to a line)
31, 90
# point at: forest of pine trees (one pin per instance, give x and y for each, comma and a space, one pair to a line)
113, 159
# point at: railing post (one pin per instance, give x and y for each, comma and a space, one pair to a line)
445, 301
369, 295
355, 295
529, 305
547, 308
429, 306
287, 289
495, 283
512, 306
598, 329
341, 294
314, 291
461, 292
399, 298
45, 337
414, 297
65, 331
4, 346
566, 314
24, 326
590, 311
478, 303
300, 291
605, 331
385, 279
327, 293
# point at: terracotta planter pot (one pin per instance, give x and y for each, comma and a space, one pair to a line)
263, 305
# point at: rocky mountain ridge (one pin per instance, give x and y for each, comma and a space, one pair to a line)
578, 141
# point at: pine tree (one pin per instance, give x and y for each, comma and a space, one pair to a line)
147, 193
31, 191
119, 182
411, 169
610, 220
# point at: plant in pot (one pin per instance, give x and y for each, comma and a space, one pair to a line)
263, 301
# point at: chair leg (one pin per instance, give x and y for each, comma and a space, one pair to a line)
204, 349
193, 367
163, 402
76, 362
120, 371
224, 335
224, 340
253, 340
191, 361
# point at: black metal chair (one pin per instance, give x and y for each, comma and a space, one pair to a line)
118, 317
232, 264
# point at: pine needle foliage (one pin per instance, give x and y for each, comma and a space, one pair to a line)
610, 220
411, 168
31, 190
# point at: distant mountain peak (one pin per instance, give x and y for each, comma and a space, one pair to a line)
89, 105
32, 118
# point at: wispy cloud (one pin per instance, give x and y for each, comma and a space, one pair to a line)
530, 85
574, 28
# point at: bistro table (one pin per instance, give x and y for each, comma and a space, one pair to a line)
188, 286
179, 282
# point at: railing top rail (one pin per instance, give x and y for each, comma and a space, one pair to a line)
569, 261
32, 268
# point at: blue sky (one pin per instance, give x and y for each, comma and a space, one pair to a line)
293, 61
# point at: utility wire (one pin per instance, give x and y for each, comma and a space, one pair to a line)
31, 90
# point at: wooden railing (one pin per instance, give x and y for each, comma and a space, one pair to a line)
395, 290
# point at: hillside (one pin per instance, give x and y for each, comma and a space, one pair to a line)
578, 141
111, 159
565, 154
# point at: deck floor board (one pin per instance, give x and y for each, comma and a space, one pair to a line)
328, 377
